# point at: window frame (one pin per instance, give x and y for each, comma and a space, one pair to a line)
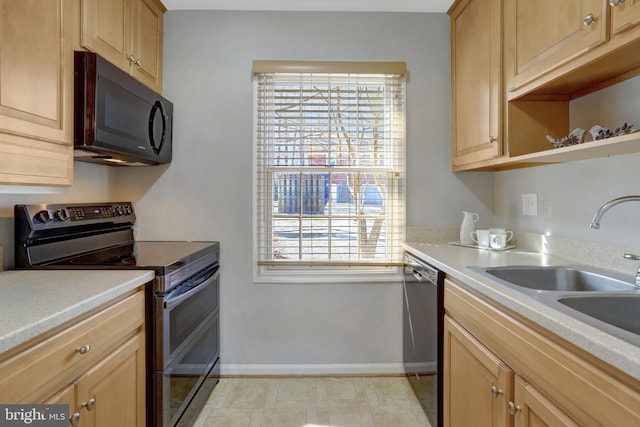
282, 272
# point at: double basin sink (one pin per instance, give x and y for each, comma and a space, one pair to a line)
604, 300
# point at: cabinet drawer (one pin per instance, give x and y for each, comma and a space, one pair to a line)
51, 364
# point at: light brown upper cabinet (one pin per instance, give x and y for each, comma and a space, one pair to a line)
549, 33
625, 15
127, 33
36, 92
476, 67
547, 53
569, 48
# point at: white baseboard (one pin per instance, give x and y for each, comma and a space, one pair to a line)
313, 369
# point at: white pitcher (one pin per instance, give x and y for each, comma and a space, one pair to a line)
468, 225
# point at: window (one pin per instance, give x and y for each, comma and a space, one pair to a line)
330, 164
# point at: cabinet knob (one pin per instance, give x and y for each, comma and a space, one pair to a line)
590, 19
495, 391
513, 408
492, 139
84, 349
131, 58
74, 419
615, 3
138, 63
89, 404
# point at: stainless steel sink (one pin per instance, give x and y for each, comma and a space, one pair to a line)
620, 311
605, 300
558, 278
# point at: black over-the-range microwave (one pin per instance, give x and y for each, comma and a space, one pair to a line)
118, 121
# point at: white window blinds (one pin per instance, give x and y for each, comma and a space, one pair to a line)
330, 168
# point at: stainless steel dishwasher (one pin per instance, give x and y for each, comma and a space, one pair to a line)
423, 290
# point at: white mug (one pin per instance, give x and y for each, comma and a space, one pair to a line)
481, 237
502, 231
498, 241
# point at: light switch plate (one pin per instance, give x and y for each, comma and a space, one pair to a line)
530, 204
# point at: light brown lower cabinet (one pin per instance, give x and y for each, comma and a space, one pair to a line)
471, 373
106, 394
530, 408
501, 371
95, 365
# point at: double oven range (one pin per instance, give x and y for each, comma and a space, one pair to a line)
182, 302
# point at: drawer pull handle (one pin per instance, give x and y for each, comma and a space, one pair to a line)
84, 349
495, 391
614, 3
513, 408
89, 404
75, 419
590, 19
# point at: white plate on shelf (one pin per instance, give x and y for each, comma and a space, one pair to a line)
459, 243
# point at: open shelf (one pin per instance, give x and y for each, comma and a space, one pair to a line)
623, 144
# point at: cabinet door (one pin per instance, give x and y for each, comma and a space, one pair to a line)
147, 42
106, 30
534, 410
67, 397
477, 384
476, 81
113, 392
36, 92
625, 15
549, 33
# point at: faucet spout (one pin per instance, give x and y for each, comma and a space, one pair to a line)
595, 222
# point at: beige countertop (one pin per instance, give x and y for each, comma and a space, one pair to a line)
36, 301
453, 260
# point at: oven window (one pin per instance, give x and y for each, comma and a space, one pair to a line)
190, 313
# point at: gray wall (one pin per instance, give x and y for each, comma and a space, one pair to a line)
207, 74
569, 194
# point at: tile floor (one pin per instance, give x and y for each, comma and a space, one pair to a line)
318, 402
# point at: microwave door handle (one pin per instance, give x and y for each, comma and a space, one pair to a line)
152, 116
173, 301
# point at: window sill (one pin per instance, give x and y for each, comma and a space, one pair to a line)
327, 275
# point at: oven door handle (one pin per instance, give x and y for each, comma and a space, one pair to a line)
194, 290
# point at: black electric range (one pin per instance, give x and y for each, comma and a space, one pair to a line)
100, 236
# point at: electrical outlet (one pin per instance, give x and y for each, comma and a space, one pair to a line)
530, 204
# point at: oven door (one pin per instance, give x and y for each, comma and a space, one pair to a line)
181, 312
187, 344
193, 371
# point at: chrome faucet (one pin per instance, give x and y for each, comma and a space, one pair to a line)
595, 223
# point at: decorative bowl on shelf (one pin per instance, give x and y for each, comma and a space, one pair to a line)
575, 137
596, 133
600, 132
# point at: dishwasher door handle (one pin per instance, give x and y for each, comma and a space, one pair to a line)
423, 275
